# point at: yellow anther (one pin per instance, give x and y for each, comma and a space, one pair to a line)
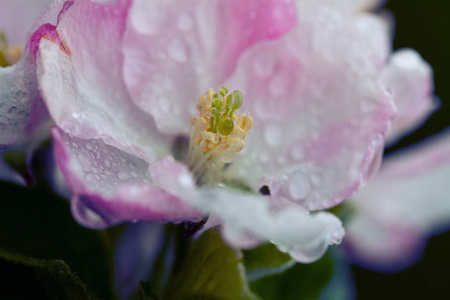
218, 133
8, 55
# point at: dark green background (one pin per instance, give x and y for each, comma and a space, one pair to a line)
425, 26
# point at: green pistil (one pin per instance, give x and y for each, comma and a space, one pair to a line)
222, 110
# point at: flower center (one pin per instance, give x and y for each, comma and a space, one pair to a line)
8, 55
217, 134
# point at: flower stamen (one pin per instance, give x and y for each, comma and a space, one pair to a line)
218, 133
8, 55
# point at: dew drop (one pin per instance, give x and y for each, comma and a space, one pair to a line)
177, 51
264, 64
281, 160
12, 110
164, 105
278, 85
273, 134
89, 178
123, 175
264, 158
299, 185
107, 163
184, 180
185, 22
297, 153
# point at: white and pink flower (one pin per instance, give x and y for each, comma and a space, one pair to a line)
121, 81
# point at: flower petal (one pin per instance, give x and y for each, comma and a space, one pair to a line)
136, 253
81, 79
174, 51
409, 78
22, 114
320, 114
250, 219
406, 202
111, 186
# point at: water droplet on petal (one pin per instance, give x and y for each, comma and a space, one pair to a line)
12, 110
278, 85
185, 22
297, 153
107, 163
264, 158
123, 175
164, 105
299, 185
177, 51
273, 134
184, 180
89, 178
264, 64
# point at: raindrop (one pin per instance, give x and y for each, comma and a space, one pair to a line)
299, 185
12, 110
177, 51
297, 153
107, 163
89, 178
264, 64
185, 22
123, 175
278, 85
273, 134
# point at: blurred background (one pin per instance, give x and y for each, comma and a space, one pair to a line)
424, 26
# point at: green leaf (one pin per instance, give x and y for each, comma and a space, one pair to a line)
56, 275
145, 291
302, 281
37, 230
266, 260
210, 270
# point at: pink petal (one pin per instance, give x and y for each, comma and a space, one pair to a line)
405, 203
81, 79
409, 78
111, 186
175, 51
23, 117
251, 219
320, 114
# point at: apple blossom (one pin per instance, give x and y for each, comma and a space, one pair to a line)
407, 201
305, 117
